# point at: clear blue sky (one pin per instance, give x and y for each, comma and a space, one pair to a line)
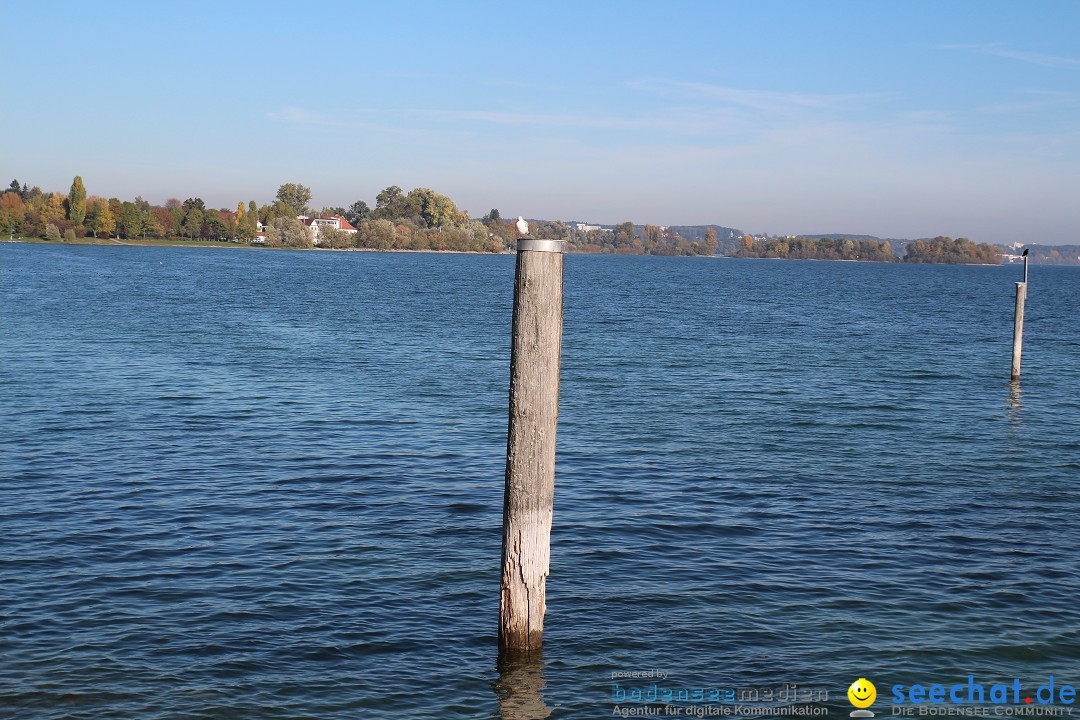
898, 119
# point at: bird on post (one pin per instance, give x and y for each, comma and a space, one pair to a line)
522, 226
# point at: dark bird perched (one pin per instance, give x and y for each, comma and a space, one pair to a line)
1024, 254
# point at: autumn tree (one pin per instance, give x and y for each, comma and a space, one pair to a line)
711, 242
76, 202
246, 221
163, 220
99, 217
12, 212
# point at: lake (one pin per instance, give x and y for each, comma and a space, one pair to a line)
269, 484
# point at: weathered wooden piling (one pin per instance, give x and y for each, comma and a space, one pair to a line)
1018, 328
536, 346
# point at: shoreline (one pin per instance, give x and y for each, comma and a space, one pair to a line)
115, 242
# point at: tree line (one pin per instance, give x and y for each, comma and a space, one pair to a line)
420, 219
958, 251
939, 250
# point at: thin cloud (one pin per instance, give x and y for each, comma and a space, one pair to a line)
1034, 100
759, 100
1033, 58
685, 122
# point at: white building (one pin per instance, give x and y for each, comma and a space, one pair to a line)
337, 222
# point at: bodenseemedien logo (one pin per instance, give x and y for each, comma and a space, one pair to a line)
862, 694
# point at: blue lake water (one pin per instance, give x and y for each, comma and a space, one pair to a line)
269, 484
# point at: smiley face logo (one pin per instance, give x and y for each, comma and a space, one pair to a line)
862, 693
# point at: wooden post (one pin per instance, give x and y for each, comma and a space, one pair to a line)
1018, 328
535, 349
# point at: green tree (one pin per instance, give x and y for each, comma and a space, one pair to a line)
77, 202
278, 210
434, 210
288, 232
624, 235
130, 223
330, 237
377, 234
390, 204
214, 227
296, 196
52, 233
358, 211
192, 223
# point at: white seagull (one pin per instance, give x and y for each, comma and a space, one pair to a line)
522, 226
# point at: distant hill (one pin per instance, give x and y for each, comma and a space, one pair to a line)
729, 242
1052, 254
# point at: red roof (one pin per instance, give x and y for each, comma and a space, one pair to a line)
345, 224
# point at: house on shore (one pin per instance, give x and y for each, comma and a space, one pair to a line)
334, 222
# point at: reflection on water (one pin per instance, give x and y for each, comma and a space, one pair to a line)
1016, 403
519, 687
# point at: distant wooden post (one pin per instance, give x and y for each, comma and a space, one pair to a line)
535, 350
1018, 327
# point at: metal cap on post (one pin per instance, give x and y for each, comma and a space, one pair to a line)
534, 245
